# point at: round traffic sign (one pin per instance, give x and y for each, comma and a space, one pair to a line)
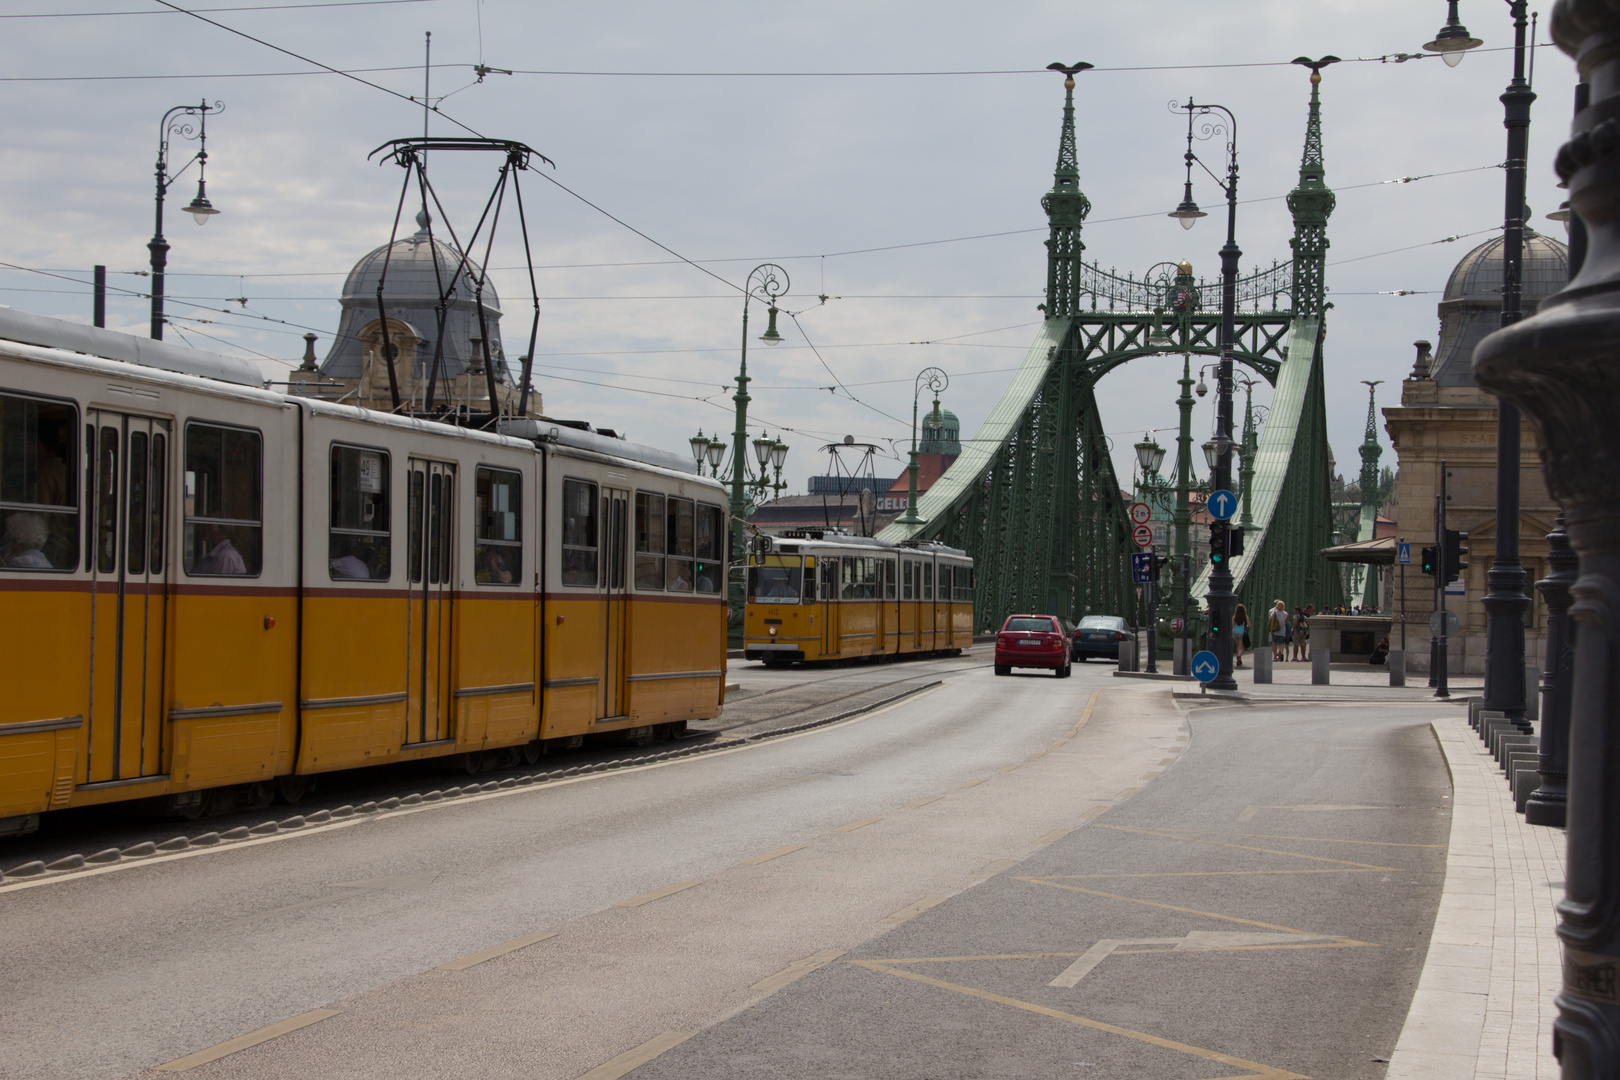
1143, 535
1141, 513
1221, 504
1204, 666
1448, 628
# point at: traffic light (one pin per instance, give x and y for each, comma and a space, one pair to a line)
1455, 550
1431, 560
1217, 554
1158, 565
1234, 545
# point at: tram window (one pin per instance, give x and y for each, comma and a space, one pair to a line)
908, 579
711, 530
498, 528
964, 584
358, 528
579, 533
888, 579
224, 501
927, 581
649, 540
774, 579
810, 581
417, 487
39, 512
679, 534
944, 583
850, 580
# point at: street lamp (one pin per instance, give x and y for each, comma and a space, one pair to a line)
1149, 454
700, 449
716, 451
1453, 40
199, 208
767, 281
936, 381
1506, 601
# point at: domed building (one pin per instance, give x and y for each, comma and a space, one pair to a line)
941, 434
417, 269
1445, 417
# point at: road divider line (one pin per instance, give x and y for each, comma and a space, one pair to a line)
990, 870
657, 894
769, 855
1059, 743
912, 911
974, 783
797, 970
636, 1056
1052, 837
1168, 761
924, 801
861, 824
1035, 755
252, 1038
1091, 703
1147, 776
1009, 768
1125, 793
1095, 812
465, 962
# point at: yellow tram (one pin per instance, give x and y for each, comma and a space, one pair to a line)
830, 597
210, 591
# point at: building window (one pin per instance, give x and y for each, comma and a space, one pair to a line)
498, 527
649, 540
579, 533
39, 508
358, 528
711, 532
680, 534
224, 501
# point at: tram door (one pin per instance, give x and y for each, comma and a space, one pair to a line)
126, 551
925, 610
431, 535
615, 629
829, 577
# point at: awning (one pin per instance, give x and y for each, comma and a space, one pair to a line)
1379, 552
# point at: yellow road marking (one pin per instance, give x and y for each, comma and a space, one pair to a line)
1091, 703
1036, 754
1126, 792
1337, 943
1095, 812
252, 1038
925, 800
1245, 847
1009, 768
1059, 743
1257, 1070
797, 970
1053, 837
465, 962
636, 1057
974, 783
1223, 873
1313, 839
1154, 775
769, 855
913, 911
1168, 761
861, 824
1171, 907
657, 894
989, 870
993, 956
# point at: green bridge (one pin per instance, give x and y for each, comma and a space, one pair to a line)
1034, 496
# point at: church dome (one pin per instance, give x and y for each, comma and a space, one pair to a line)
416, 267
941, 433
1472, 304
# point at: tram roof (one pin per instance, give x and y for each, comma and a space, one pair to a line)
41, 330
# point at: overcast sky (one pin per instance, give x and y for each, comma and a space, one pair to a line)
738, 133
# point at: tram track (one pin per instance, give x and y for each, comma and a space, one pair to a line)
56, 862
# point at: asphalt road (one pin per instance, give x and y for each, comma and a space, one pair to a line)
756, 898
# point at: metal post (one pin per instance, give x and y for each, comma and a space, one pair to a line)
1151, 590
99, 304
1183, 513
1221, 598
1506, 602
158, 246
1441, 659
1399, 542
768, 287
1548, 802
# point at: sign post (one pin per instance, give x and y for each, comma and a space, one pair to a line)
1403, 555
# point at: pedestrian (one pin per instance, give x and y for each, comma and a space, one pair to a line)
1276, 629
1240, 633
1302, 632
1294, 643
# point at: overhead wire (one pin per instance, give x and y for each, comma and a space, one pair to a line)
251, 7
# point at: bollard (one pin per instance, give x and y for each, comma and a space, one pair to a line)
1262, 665
1127, 654
1397, 667
1181, 663
1532, 692
1320, 660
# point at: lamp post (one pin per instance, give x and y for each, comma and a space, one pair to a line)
1250, 443
1184, 298
1221, 598
767, 281
200, 208
1506, 602
936, 381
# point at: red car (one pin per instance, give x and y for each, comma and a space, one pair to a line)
1037, 641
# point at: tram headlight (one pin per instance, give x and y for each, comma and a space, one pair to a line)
772, 631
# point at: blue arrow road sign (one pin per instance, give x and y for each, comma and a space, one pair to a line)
1141, 567
1403, 554
1205, 666
1222, 504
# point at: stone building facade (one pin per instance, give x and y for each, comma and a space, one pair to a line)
1445, 417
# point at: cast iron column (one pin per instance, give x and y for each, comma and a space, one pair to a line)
1506, 602
1221, 599
1547, 802
1562, 367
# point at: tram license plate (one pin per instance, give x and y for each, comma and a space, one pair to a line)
1028, 641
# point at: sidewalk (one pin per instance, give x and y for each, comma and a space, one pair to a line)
1484, 1003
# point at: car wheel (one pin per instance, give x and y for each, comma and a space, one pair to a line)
1062, 672
1003, 669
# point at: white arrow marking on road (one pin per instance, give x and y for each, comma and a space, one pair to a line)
1196, 941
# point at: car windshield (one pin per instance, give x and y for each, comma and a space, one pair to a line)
1102, 622
1029, 626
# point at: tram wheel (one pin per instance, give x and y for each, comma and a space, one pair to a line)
532, 752
292, 789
